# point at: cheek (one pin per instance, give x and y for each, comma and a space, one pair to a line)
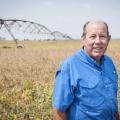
105, 44
89, 47
88, 43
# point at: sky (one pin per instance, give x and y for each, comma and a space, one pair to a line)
66, 16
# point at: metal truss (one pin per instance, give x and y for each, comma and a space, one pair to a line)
27, 30
59, 35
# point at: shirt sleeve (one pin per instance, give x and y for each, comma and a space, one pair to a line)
62, 92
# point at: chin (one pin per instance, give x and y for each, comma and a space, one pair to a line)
97, 55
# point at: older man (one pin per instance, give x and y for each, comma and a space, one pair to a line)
85, 86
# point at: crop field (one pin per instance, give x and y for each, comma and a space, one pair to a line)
27, 76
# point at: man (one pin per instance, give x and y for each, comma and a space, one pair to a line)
85, 85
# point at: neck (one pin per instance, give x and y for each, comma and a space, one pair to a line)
97, 59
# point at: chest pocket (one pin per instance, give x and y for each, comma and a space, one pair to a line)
91, 92
110, 81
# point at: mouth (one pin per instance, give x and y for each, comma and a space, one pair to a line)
98, 49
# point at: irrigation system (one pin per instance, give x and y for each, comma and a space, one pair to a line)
16, 29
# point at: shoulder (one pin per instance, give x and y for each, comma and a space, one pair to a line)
108, 60
109, 67
69, 61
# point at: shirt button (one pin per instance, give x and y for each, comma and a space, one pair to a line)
106, 86
111, 101
86, 111
109, 95
114, 72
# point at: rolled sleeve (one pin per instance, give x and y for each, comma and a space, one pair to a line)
62, 93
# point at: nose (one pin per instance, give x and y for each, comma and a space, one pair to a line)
97, 40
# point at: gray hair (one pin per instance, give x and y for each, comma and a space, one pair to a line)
85, 25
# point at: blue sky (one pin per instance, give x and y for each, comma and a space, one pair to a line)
66, 16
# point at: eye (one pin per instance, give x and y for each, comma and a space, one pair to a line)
93, 36
103, 37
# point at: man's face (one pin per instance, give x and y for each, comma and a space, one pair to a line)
96, 40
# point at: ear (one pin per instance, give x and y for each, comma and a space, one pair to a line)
83, 40
109, 38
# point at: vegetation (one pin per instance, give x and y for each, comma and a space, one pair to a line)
26, 76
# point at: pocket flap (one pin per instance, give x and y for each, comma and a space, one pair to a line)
89, 83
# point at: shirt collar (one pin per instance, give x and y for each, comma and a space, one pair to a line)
85, 58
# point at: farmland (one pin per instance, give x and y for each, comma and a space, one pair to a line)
26, 76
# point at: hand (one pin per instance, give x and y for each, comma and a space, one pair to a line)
117, 116
57, 115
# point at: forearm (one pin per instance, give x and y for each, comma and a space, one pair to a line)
57, 115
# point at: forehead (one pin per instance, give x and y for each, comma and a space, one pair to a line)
96, 27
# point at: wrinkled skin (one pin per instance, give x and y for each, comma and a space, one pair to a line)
96, 40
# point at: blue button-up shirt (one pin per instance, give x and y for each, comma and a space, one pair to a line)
85, 90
